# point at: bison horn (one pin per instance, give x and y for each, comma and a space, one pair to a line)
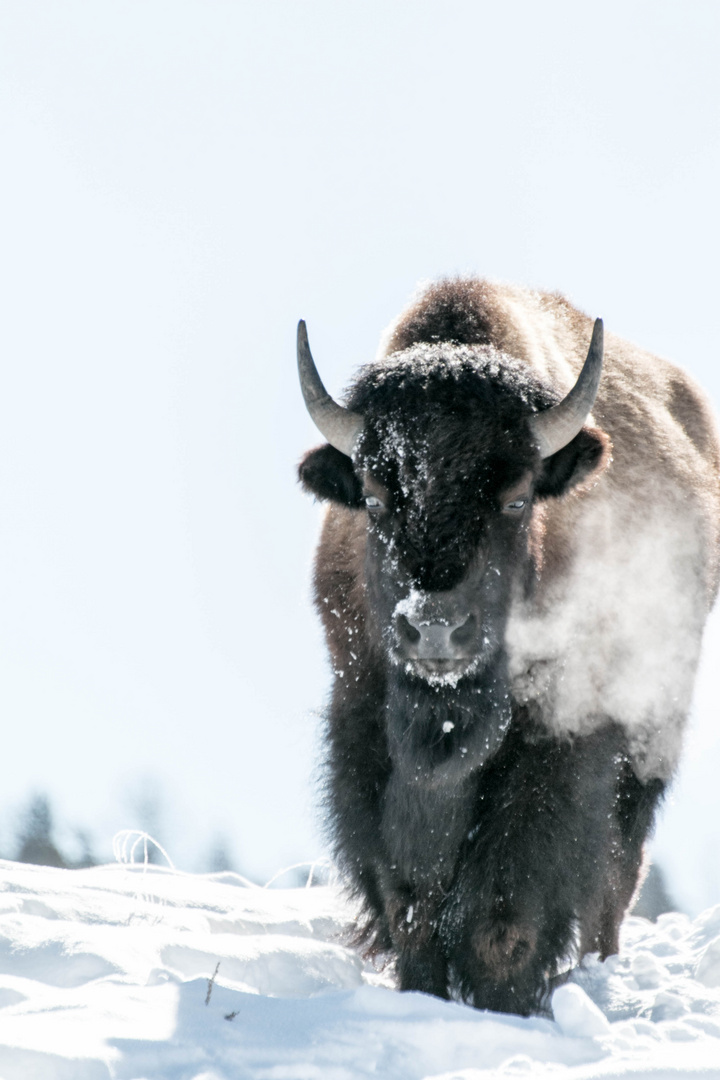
557, 426
340, 426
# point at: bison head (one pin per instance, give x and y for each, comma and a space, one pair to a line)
448, 450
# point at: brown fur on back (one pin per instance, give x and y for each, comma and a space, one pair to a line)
458, 310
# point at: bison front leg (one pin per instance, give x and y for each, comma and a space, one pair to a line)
421, 961
535, 870
636, 804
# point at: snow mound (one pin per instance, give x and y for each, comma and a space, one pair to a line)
144, 973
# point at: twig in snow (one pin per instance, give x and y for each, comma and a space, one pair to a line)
211, 982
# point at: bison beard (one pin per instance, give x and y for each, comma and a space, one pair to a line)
498, 740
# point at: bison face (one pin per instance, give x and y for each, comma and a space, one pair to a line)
444, 551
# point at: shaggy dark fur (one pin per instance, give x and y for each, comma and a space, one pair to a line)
489, 854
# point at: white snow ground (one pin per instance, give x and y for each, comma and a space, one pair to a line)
106, 973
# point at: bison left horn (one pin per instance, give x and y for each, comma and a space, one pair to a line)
340, 426
557, 426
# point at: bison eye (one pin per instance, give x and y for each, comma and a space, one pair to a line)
373, 503
515, 506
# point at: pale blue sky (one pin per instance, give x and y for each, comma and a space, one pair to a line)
181, 182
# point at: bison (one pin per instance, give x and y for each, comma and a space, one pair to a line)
515, 567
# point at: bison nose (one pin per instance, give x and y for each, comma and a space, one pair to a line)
435, 641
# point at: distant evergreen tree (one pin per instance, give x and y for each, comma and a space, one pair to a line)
35, 842
35, 839
654, 898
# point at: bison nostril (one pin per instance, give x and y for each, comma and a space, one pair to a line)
406, 630
463, 634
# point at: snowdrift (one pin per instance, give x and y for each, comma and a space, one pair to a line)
142, 972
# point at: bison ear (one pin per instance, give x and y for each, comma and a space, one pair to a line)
581, 460
328, 474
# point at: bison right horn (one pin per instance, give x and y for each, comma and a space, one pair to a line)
341, 427
557, 426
